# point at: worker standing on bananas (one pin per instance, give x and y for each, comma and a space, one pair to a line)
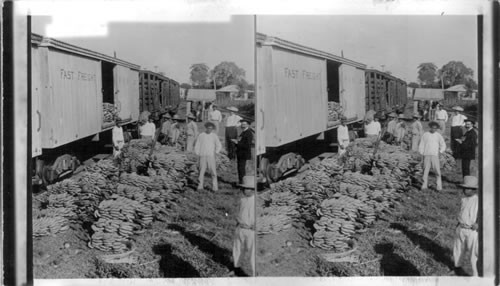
206, 147
117, 137
431, 144
244, 236
342, 136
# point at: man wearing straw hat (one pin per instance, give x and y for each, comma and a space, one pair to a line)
416, 132
457, 126
232, 123
206, 147
191, 133
466, 235
244, 236
431, 144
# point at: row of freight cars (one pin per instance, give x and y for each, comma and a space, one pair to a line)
302, 94
77, 93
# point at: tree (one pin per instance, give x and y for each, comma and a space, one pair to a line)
413, 85
227, 73
427, 74
199, 75
455, 72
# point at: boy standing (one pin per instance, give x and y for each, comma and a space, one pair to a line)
431, 144
244, 236
466, 239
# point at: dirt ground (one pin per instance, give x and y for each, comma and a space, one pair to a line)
416, 239
195, 242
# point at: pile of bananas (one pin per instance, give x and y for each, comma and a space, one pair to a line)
447, 161
284, 199
92, 182
140, 181
66, 186
169, 161
61, 201
292, 184
109, 112
332, 166
222, 162
106, 167
49, 225
312, 176
359, 179
105, 241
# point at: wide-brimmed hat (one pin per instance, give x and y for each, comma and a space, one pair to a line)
416, 115
470, 182
248, 182
177, 117
392, 114
434, 123
232, 108
209, 124
458, 108
470, 120
191, 116
402, 116
167, 115
245, 120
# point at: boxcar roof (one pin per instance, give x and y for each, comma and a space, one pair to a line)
56, 44
385, 74
277, 42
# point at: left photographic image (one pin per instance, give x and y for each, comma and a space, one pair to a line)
143, 150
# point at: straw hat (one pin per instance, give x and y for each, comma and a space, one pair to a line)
248, 182
167, 115
177, 117
191, 116
470, 182
402, 116
458, 108
392, 114
434, 123
416, 115
232, 108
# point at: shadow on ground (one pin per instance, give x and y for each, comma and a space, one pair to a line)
439, 253
172, 265
393, 264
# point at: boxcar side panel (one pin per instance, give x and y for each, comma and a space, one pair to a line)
352, 96
126, 92
36, 99
73, 109
265, 100
300, 97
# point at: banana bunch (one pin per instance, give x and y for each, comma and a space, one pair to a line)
166, 181
168, 161
92, 182
67, 212
291, 184
332, 166
105, 167
284, 199
122, 228
61, 201
139, 144
312, 176
330, 240
49, 225
447, 161
66, 186
359, 179
144, 182
273, 223
112, 241
222, 162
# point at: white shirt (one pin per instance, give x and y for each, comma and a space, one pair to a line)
400, 131
246, 211
442, 115
431, 144
343, 135
468, 210
233, 120
148, 129
117, 135
391, 126
216, 116
207, 144
373, 128
458, 120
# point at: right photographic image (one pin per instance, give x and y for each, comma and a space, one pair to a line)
367, 145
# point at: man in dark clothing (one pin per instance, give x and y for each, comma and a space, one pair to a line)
243, 148
468, 147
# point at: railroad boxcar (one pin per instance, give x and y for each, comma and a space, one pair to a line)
383, 92
70, 84
296, 86
157, 94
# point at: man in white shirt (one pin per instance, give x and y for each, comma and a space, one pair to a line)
372, 128
441, 118
456, 132
147, 131
216, 118
232, 124
342, 136
206, 146
431, 144
117, 137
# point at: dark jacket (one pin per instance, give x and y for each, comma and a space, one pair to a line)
468, 147
244, 147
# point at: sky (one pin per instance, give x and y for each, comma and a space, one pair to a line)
400, 43
172, 47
